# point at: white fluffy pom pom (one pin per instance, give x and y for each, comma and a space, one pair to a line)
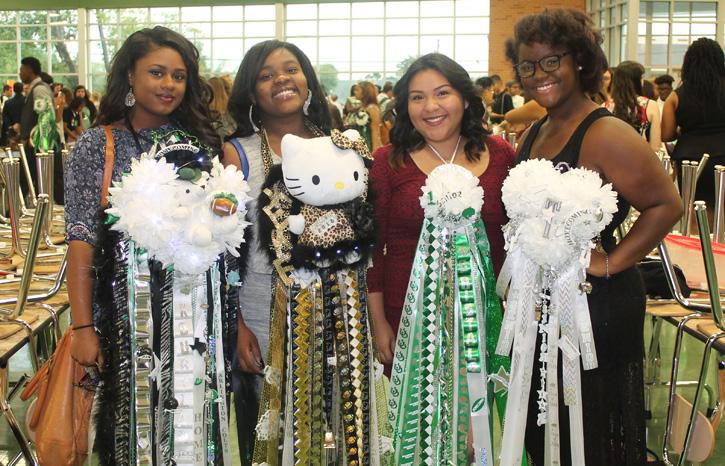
172, 218
554, 216
451, 196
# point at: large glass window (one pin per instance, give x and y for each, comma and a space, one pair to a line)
222, 34
376, 41
347, 41
666, 28
50, 36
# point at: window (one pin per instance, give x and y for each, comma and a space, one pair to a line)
222, 34
347, 41
50, 36
667, 28
376, 41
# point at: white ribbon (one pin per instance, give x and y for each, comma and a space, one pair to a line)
569, 329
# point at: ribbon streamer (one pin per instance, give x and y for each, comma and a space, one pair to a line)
444, 351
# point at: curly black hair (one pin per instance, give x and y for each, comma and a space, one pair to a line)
567, 28
193, 112
703, 72
245, 85
404, 136
626, 87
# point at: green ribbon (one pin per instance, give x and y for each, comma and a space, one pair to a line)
45, 137
429, 403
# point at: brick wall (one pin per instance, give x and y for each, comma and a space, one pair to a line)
504, 14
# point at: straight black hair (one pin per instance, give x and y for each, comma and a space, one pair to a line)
245, 83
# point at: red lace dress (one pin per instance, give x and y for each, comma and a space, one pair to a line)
399, 220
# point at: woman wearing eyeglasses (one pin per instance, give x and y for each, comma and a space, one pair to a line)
559, 63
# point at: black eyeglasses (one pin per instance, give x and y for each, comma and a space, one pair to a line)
527, 69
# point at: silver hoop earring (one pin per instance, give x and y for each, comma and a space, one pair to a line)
251, 119
308, 100
130, 100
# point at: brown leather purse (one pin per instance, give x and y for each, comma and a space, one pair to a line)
59, 417
57, 421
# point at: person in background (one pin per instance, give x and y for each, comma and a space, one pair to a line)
73, 120
502, 102
223, 121
370, 105
12, 112
335, 117
602, 95
386, 93
629, 103
7, 93
95, 98
514, 90
353, 102
89, 108
694, 113
38, 90
664, 89
649, 90
336, 102
484, 88
559, 61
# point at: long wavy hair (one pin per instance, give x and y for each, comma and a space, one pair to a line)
406, 138
244, 88
626, 87
703, 73
193, 112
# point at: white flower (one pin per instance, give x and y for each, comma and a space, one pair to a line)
173, 219
451, 196
555, 216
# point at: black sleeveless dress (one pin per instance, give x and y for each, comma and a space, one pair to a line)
613, 394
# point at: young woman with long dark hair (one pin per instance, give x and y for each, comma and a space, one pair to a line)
155, 99
694, 113
276, 92
629, 104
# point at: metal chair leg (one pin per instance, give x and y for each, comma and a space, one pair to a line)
56, 323
13, 421
31, 343
698, 394
673, 383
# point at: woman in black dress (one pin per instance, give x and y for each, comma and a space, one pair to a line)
559, 63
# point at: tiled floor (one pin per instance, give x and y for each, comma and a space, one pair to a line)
690, 362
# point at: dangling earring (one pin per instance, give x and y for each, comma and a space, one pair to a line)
308, 100
580, 68
251, 119
130, 98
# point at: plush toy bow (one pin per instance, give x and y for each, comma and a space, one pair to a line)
344, 142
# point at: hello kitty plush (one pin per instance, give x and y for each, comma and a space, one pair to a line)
330, 218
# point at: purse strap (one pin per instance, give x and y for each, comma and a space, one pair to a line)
108, 165
242, 157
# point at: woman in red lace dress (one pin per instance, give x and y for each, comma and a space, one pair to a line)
438, 121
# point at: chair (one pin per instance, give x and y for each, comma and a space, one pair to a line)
698, 440
14, 317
